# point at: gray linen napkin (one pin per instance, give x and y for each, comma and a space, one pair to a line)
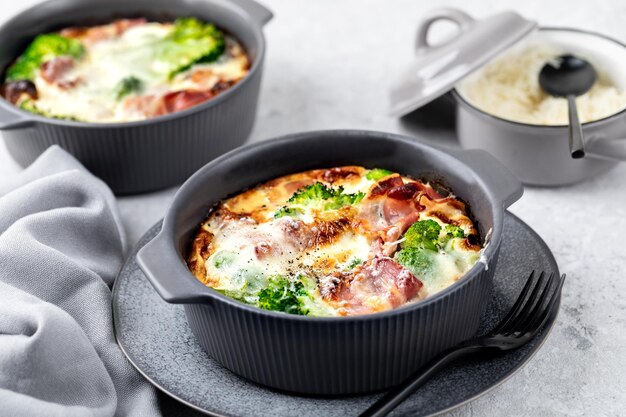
61, 245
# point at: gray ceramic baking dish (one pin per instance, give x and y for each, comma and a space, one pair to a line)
146, 155
329, 356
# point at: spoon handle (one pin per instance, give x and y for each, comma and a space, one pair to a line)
576, 146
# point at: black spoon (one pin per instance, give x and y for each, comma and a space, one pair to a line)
569, 76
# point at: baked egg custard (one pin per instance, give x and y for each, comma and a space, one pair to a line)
335, 242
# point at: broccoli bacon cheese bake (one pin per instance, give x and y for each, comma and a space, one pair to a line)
335, 242
127, 70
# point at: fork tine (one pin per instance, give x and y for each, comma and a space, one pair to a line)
524, 308
541, 319
538, 308
518, 303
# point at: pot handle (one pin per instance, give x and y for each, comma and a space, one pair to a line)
11, 119
601, 148
504, 185
166, 272
462, 19
256, 10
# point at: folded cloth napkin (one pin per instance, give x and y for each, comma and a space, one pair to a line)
61, 245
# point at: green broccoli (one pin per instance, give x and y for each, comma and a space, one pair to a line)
340, 200
43, 48
287, 211
355, 262
453, 231
423, 234
127, 86
191, 41
450, 232
418, 261
333, 198
311, 194
377, 174
224, 259
283, 295
31, 106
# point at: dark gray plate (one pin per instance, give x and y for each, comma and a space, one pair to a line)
157, 340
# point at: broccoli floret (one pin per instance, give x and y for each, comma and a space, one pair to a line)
423, 234
287, 211
341, 200
224, 259
127, 86
191, 41
283, 295
311, 194
334, 198
453, 231
377, 174
31, 106
450, 232
43, 48
418, 261
355, 262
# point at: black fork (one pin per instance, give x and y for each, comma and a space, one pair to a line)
535, 304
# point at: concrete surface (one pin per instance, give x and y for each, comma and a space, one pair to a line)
329, 66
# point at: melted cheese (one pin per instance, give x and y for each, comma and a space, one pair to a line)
108, 61
249, 243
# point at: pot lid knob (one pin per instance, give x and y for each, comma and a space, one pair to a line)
437, 68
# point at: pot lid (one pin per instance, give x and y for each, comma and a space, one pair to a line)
437, 68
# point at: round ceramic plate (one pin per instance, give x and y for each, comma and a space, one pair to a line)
156, 338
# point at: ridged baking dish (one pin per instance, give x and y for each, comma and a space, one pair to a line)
337, 355
145, 155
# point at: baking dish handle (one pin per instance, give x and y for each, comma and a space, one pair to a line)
603, 148
166, 272
10, 120
462, 19
257, 11
505, 186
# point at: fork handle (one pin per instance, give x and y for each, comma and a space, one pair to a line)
401, 392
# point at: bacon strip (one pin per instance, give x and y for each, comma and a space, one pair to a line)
385, 185
55, 69
379, 284
338, 173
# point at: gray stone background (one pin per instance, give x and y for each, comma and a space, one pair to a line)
329, 65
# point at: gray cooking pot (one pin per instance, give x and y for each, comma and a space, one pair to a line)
144, 155
537, 155
337, 355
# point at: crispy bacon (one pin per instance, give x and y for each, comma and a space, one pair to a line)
380, 279
182, 100
383, 213
333, 174
429, 191
13, 90
382, 187
55, 69
403, 192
